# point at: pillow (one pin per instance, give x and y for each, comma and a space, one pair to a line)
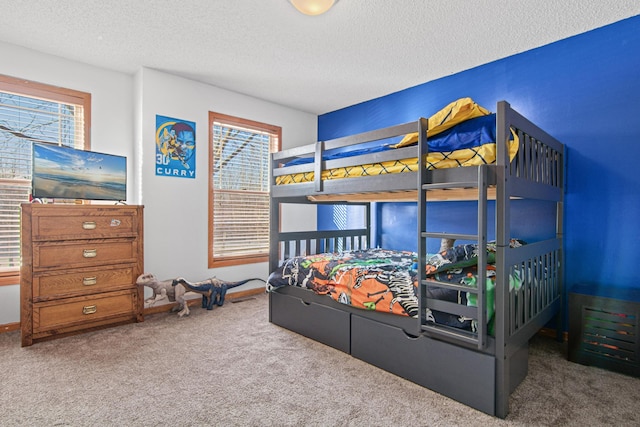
461, 256
451, 115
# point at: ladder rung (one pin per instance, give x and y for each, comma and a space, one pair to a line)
447, 285
435, 329
450, 236
452, 307
445, 185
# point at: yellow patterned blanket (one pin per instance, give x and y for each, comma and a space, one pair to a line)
461, 134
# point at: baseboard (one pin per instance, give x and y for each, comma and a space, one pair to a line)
9, 327
231, 296
551, 333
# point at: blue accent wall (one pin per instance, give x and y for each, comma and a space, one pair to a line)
397, 222
585, 91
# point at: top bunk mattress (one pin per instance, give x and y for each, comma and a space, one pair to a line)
461, 134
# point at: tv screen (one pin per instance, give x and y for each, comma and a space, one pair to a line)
68, 173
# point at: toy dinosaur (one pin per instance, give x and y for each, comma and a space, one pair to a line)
163, 290
213, 290
168, 289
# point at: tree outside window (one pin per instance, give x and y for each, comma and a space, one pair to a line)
31, 112
239, 169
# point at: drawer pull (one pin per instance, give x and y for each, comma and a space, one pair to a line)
89, 225
90, 253
88, 281
89, 309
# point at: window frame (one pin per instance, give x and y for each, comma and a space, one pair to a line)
58, 94
226, 261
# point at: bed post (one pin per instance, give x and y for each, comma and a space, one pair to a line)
503, 219
274, 243
317, 170
274, 218
560, 166
423, 150
367, 225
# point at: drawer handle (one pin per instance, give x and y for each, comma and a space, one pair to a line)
89, 309
89, 225
90, 253
88, 281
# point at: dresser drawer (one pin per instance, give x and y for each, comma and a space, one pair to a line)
84, 253
87, 223
82, 310
79, 282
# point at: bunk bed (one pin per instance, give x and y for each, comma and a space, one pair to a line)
484, 360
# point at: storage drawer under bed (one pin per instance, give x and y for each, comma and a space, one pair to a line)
456, 372
318, 322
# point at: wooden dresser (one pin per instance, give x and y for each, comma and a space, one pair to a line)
79, 268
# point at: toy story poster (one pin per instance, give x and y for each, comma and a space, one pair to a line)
175, 147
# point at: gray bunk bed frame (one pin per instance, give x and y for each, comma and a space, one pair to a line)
477, 369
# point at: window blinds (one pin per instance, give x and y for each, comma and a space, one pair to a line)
24, 120
240, 182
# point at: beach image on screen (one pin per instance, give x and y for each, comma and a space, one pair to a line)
67, 173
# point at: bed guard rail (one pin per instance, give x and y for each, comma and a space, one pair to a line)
316, 163
537, 171
305, 243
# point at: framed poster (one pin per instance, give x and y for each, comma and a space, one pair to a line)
175, 147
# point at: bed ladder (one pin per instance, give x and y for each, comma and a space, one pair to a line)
431, 328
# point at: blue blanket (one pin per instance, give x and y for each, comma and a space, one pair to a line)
468, 134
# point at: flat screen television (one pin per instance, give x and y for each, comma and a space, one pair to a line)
68, 173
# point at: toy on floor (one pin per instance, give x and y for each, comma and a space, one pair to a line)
213, 291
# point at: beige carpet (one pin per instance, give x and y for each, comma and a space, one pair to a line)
230, 366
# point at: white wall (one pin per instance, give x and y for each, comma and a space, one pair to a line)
176, 208
111, 96
123, 122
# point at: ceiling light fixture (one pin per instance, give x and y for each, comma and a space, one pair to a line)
313, 7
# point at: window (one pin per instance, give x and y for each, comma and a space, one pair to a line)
31, 112
239, 189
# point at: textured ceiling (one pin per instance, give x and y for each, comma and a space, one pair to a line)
361, 49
